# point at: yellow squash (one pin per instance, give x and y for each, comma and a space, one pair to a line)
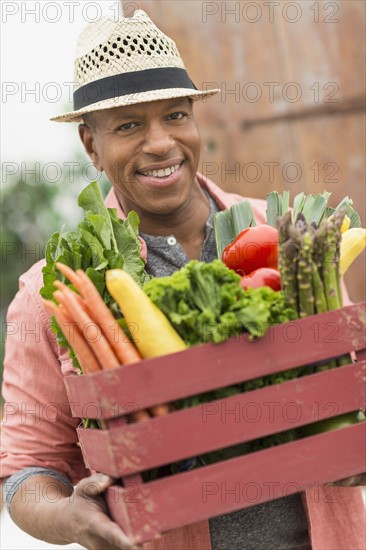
155, 335
346, 223
352, 244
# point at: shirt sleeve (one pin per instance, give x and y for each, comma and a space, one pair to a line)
37, 427
12, 484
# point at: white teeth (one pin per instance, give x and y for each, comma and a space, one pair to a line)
163, 172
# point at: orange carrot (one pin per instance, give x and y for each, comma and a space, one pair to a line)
69, 273
121, 344
139, 416
82, 302
126, 352
100, 345
85, 356
119, 341
160, 410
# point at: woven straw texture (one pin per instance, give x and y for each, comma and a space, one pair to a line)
109, 47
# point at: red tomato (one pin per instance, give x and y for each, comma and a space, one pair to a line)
264, 276
253, 248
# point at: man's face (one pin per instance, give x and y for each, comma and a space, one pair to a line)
150, 153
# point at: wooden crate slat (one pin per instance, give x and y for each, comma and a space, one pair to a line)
86, 406
154, 381
97, 450
222, 488
225, 422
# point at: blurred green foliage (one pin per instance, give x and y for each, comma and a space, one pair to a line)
32, 209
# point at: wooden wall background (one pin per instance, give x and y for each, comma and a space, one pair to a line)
296, 117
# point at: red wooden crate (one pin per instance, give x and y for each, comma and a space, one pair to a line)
146, 509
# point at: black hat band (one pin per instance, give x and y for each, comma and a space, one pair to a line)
131, 83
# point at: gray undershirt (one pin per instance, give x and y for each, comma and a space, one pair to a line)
275, 525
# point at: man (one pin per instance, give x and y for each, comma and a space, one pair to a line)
134, 101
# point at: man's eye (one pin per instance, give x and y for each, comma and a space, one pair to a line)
177, 116
127, 126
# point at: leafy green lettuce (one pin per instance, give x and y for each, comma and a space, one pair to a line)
205, 303
102, 241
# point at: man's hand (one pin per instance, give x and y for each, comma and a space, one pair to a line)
89, 521
58, 517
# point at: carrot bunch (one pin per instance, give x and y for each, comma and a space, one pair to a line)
82, 312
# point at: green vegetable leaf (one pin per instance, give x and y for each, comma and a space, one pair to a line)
298, 206
242, 216
285, 202
205, 303
90, 199
350, 212
224, 232
274, 207
96, 248
101, 228
102, 241
315, 207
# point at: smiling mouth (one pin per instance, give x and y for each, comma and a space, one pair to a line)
162, 172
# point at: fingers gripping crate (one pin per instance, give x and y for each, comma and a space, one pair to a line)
126, 450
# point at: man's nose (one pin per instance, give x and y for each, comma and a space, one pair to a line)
158, 140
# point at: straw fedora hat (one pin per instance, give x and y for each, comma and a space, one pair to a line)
124, 62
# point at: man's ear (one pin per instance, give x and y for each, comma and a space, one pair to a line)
87, 137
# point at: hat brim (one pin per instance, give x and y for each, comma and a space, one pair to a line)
133, 99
